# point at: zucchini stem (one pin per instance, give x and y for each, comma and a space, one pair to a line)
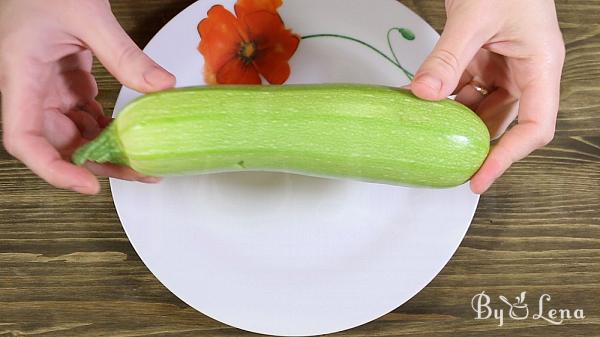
106, 148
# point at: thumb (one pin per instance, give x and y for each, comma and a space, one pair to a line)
439, 75
123, 58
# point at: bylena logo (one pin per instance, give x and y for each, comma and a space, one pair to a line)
519, 310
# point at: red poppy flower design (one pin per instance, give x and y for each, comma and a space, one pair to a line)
240, 48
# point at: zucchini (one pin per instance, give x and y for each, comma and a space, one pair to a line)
363, 132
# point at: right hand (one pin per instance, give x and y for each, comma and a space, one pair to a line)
515, 50
48, 91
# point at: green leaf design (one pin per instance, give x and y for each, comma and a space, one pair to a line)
407, 34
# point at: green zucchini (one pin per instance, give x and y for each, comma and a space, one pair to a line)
363, 132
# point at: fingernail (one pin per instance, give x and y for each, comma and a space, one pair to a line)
159, 79
434, 83
150, 180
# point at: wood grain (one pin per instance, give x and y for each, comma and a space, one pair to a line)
67, 268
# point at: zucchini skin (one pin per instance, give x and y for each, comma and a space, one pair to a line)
363, 132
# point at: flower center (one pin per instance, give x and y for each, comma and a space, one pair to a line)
247, 51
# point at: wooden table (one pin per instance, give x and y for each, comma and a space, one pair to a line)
67, 268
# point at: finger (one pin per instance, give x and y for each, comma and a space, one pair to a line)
61, 132
465, 79
123, 58
23, 136
75, 88
439, 75
73, 85
86, 124
82, 60
469, 96
95, 109
498, 111
46, 162
119, 172
537, 121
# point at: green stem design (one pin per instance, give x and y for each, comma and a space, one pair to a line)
410, 37
394, 59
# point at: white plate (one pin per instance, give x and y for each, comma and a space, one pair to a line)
290, 255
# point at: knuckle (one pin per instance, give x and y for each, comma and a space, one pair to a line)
546, 135
554, 51
9, 144
90, 7
128, 58
557, 53
561, 51
94, 91
448, 59
127, 54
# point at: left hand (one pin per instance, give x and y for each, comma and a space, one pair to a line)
49, 105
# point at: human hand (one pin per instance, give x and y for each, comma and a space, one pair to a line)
48, 91
514, 51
